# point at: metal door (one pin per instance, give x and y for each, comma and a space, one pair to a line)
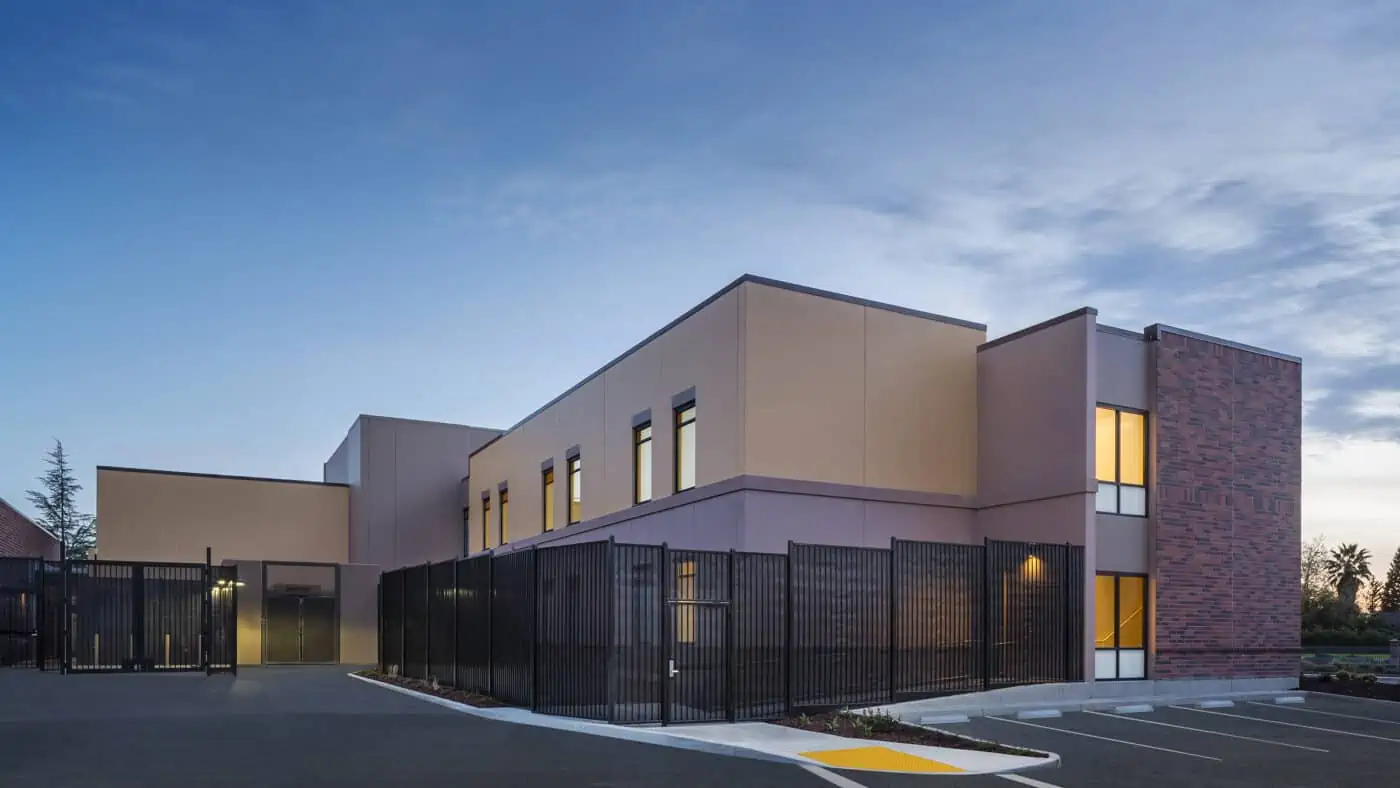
697, 624
282, 638
318, 629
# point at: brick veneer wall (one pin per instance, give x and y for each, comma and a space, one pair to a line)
1227, 533
21, 537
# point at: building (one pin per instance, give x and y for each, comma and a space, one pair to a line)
309, 552
774, 413
21, 537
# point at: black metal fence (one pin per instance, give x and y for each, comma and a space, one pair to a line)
107, 616
642, 633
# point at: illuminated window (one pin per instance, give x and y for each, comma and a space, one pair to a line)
685, 593
1120, 461
1120, 626
505, 516
641, 463
548, 487
486, 522
575, 490
685, 447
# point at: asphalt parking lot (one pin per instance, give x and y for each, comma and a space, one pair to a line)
1330, 742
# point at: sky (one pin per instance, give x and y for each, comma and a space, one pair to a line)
227, 228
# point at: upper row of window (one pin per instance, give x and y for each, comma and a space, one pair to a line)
1120, 460
683, 424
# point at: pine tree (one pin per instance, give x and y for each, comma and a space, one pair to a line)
1390, 591
58, 506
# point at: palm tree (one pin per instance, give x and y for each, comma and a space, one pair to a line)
1346, 568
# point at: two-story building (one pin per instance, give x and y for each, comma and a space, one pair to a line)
773, 413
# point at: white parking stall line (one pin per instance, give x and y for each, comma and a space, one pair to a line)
1288, 724
1105, 738
1328, 713
1203, 730
1032, 782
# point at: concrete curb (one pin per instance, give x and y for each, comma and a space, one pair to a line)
645, 736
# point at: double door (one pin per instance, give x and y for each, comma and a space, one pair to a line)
301, 629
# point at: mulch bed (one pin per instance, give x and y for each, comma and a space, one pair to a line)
426, 687
851, 725
1353, 687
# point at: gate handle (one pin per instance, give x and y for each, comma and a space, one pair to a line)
672, 668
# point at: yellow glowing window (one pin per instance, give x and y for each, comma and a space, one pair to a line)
1132, 595
486, 542
1105, 593
505, 516
548, 487
1120, 461
685, 592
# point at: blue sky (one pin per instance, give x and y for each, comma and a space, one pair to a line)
226, 228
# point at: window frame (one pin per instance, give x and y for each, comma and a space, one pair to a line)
677, 426
503, 516
1118, 484
466, 531
485, 521
640, 443
547, 493
574, 483
1118, 623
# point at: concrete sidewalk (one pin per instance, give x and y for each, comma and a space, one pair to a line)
763, 741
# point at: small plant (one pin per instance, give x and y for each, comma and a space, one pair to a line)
882, 721
804, 720
1368, 678
1343, 675
861, 725
833, 723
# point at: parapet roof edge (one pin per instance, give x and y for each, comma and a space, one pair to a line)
1154, 331
746, 278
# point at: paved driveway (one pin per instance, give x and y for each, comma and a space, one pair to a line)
309, 727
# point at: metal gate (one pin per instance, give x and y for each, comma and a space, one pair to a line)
21, 612
697, 636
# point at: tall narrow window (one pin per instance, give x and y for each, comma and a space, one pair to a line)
684, 603
1120, 626
1120, 460
548, 487
466, 532
486, 543
575, 490
641, 463
685, 447
505, 516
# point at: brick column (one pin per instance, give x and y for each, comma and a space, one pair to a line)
1227, 535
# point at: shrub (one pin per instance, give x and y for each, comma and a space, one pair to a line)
1369, 678
1343, 675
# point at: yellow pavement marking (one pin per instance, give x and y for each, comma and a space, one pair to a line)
879, 759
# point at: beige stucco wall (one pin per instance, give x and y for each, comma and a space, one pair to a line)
155, 516
702, 351
852, 394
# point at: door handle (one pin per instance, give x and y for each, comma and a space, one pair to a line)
672, 672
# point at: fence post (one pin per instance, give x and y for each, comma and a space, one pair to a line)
731, 645
206, 646
610, 660
788, 656
986, 613
428, 620
894, 618
663, 651
456, 622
